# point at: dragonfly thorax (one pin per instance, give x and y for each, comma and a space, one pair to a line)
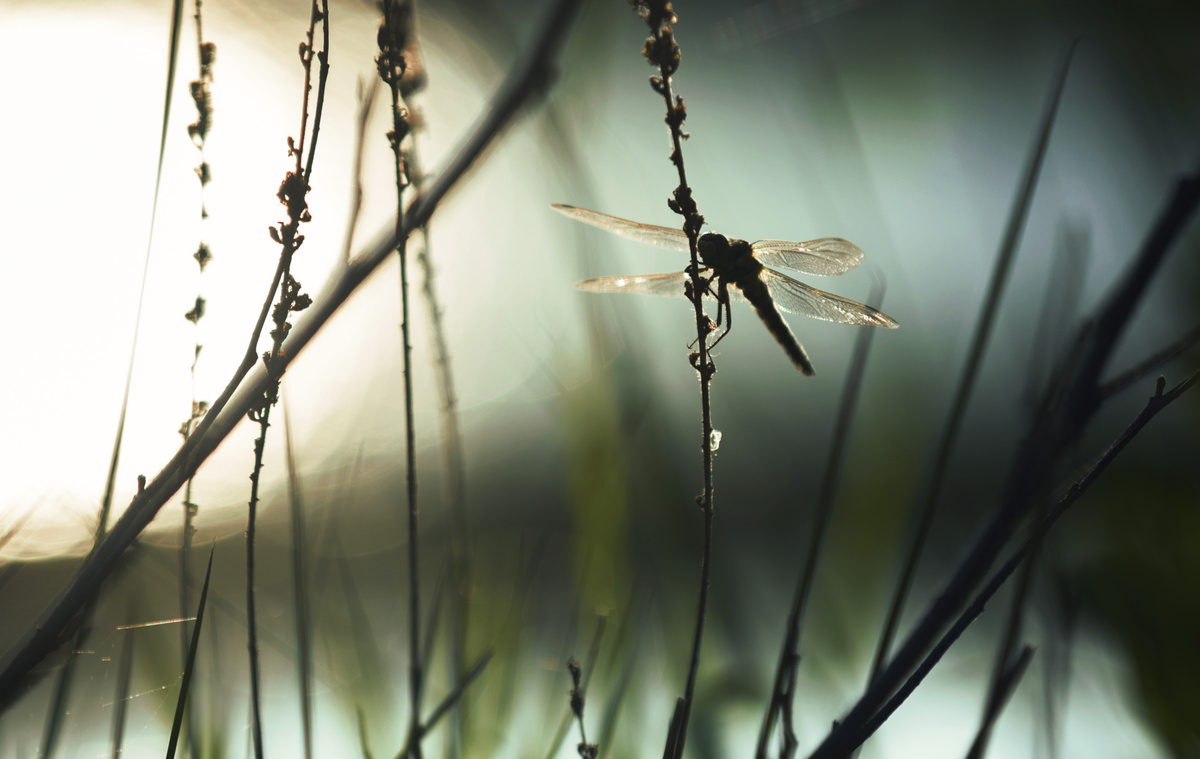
728, 258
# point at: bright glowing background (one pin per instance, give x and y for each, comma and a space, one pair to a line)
77, 193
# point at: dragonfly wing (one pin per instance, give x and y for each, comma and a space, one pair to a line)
798, 298
645, 284
826, 257
663, 237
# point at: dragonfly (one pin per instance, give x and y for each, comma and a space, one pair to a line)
739, 271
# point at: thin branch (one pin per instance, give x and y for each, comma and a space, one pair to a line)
589, 667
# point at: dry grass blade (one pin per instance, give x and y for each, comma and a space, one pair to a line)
374, 684
366, 99
121, 698
783, 695
1128, 378
1007, 685
1067, 406
435, 616
364, 738
453, 697
300, 585
528, 80
180, 708
1157, 403
983, 327
62, 687
443, 707
106, 508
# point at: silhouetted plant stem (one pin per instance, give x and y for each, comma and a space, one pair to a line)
198, 131
578, 697
393, 41
292, 194
528, 80
661, 50
923, 518
783, 694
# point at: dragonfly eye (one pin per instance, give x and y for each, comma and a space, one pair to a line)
712, 247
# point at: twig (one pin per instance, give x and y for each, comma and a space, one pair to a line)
589, 666
578, 697
1129, 378
528, 80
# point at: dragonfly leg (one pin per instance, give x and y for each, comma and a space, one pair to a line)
723, 304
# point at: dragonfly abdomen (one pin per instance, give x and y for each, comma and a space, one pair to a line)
756, 292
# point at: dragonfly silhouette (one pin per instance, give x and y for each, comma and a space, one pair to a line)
741, 264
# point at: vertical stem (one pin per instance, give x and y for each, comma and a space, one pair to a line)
686, 206
251, 620
399, 129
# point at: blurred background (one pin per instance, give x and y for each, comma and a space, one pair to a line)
902, 126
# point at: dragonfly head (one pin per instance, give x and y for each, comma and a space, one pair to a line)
714, 249
726, 254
